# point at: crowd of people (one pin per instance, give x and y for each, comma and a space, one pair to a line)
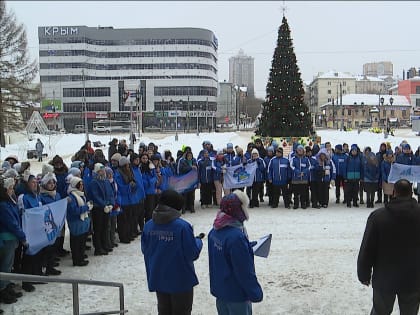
118, 194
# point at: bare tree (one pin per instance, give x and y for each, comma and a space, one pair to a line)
16, 72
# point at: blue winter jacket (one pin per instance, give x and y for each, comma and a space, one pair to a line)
149, 182
166, 173
313, 162
231, 265
339, 161
300, 168
325, 172
229, 157
169, 252
61, 184
137, 194
267, 160
406, 159
76, 225
385, 170
184, 167
124, 197
279, 171
205, 171
261, 171
101, 193
31, 200
371, 172
10, 223
47, 198
218, 169
354, 168
239, 159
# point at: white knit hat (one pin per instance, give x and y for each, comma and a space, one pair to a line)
123, 161
47, 177
98, 167
74, 181
47, 168
8, 182
255, 151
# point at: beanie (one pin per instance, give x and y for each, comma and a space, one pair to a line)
11, 173
389, 152
133, 156
47, 168
406, 146
172, 199
299, 147
229, 146
8, 182
155, 157
235, 205
47, 177
77, 164
74, 181
354, 147
74, 171
255, 151
12, 157
339, 147
270, 149
108, 170
98, 167
123, 161
116, 157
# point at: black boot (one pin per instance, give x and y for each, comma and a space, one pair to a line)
6, 297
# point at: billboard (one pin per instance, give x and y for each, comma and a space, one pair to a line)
50, 105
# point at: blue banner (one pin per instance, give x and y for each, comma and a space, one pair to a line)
42, 225
184, 183
408, 172
239, 176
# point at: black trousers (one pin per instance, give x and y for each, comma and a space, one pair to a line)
383, 303
140, 212
323, 192
100, 228
351, 191
300, 193
175, 304
206, 190
189, 200
275, 191
268, 191
149, 205
123, 223
255, 193
313, 187
77, 246
339, 181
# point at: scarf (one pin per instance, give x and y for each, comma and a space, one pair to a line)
126, 174
79, 196
51, 193
222, 220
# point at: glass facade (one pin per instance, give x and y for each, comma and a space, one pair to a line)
185, 90
89, 92
91, 107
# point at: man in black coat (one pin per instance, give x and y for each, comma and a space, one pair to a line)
113, 148
391, 247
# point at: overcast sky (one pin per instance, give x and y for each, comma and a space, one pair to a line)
326, 35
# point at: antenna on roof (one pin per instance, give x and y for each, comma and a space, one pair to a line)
284, 8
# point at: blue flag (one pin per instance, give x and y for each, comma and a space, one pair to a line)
239, 176
42, 225
408, 172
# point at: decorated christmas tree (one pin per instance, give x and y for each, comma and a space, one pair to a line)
284, 111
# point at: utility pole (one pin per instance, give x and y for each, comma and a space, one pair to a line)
85, 105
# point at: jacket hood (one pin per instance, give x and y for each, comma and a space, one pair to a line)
403, 208
164, 214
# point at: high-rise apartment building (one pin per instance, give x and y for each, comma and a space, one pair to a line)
241, 71
377, 69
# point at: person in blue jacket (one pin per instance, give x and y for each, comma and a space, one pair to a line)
138, 197
300, 166
387, 187
268, 185
11, 234
230, 154
102, 196
259, 178
231, 259
218, 168
371, 175
78, 220
185, 165
339, 159
49, 194
353, 175
150, 180
406, 157
279, 175
324, 173
170, 249
205, 179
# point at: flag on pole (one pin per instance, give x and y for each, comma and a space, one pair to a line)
239, 176
43, 224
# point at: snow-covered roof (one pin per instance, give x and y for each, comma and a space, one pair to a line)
368, 78
417, 78
372, 100
332, 74
394, 87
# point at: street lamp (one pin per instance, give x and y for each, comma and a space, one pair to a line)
85, 105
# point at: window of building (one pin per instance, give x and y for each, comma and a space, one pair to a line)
342, 112
344, 83
185, 91
349, 112
329, 91
384, 112
404, 113
91, 107
392, 113
89, 92
329, 83
363, 112
417, 102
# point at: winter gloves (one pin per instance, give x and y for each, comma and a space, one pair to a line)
84, 215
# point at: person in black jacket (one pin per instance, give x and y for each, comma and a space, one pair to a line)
391, 248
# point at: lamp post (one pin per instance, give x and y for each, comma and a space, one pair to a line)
237, 106
198, 131
85, 105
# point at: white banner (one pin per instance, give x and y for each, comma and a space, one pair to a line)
408, 172
239, 176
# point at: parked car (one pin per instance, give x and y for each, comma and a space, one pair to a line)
79, 129
103, 129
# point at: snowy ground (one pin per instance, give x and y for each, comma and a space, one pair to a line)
311, 268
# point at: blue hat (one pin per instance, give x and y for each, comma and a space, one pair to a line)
406, 146
339, 147
389, 152
274, 144
299, 147
354, 147
229, 146
270, 149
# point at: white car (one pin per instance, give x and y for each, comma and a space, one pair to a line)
102, 129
